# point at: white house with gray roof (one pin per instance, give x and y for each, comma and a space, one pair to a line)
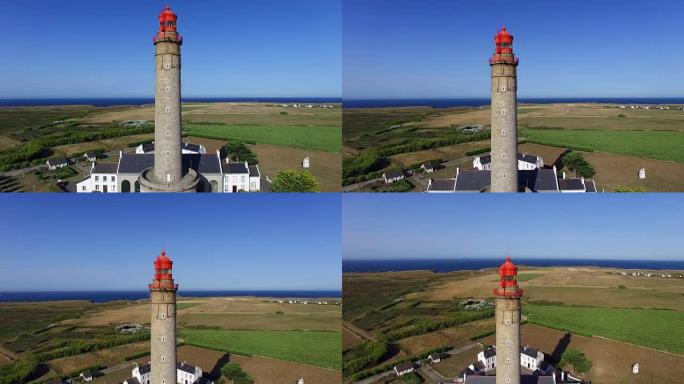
185, 374
214, 176
525, 162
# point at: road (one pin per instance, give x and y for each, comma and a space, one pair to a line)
424, 368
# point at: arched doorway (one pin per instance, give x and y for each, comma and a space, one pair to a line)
214, 186
125, 186
137, 186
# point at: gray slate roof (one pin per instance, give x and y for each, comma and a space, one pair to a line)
529, 351
442, 185
235, 168
202, 163
591, 185
393, 174
58, 161
132, 380
149, 147
472, 180
105, 168
570, 184
254, 171
521, 156
145, 368
185, 367
489, 352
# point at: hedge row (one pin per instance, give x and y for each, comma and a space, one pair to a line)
76, 348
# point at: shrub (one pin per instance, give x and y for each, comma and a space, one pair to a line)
295, 181
18, 371
626, 188
577, 359
400, 186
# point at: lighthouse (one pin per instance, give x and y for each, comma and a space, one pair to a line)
163, 324
504, 121
168, 174
507, 298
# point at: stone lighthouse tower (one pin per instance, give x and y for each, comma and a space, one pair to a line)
168, 173
163, 325
504, 116
508, 325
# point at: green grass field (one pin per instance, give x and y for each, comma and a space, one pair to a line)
323, 349
659, 145
322, 138
654, 328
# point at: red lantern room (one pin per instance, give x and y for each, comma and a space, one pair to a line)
163, 275
508, 284
504, 49
167, 27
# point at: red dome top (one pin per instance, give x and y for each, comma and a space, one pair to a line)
508, 269
163, 262
503, 37
167, 20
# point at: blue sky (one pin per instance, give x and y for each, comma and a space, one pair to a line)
601, 226
246, 242
242, 48
440, 48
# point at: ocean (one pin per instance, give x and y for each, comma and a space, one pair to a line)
448, 265
477, 102
108, 102
105, 296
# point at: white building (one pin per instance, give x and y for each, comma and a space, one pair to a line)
530, 358
642, 174
241, 177
185, 374
123, 176
54, 164
392, 176
186, 148
306, 162
525, 162
427, 167
403, 369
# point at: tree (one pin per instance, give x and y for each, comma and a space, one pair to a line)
579, 362
576, 163
234, 373
295, 181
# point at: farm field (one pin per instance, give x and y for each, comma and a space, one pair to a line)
318, 348
264, 369
623, 140
322, 138
663, 331
325, 166
612, 360
659, 145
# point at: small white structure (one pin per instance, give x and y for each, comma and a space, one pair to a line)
90, 156
642, 174
403, 369
54, 164
305, 163
427, 167
435, 358
300, 381
86, 376
635, 368
391, 176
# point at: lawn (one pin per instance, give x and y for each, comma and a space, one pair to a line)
654, 328
660, 145
319, 348
322, 138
